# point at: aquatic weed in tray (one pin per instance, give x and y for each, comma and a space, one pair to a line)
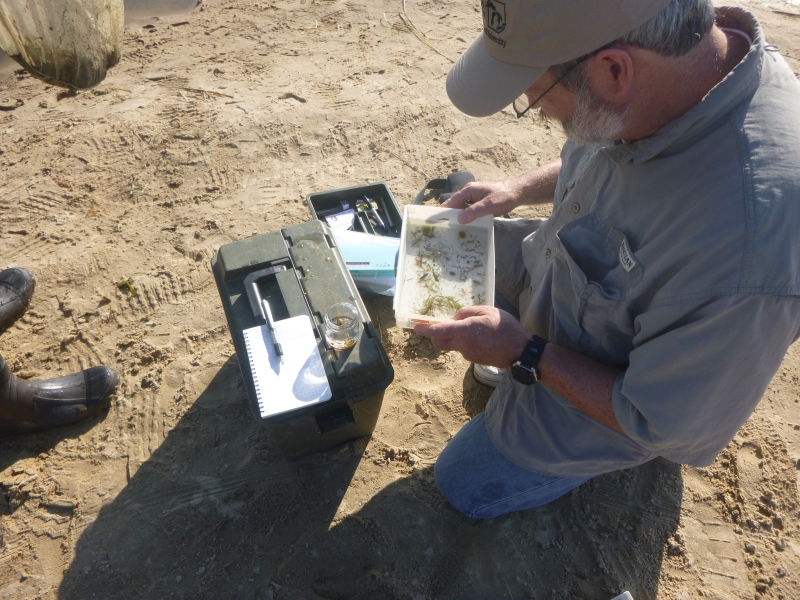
443, 265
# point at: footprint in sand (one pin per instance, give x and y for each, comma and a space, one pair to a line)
749, 463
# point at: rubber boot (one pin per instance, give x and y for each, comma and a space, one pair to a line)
16, 289
27, 406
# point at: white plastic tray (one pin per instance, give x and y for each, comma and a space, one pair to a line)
442, 265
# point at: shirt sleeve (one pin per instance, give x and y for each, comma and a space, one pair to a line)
698, 370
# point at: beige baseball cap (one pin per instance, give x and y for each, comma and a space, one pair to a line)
521, 39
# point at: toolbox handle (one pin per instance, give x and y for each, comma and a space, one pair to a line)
253, 295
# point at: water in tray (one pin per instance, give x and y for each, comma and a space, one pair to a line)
444, 269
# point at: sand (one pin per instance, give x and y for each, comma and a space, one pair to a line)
214, 127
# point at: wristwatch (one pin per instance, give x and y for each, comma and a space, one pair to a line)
526, 368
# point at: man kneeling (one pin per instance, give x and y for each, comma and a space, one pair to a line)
648, 314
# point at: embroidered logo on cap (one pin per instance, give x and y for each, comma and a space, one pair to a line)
625, 256
494, 20
494, 15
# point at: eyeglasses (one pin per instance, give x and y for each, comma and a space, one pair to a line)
522, 104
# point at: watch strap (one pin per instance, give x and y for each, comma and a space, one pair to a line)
526, 368
533, 351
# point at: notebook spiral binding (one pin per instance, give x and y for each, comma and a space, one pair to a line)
254, 372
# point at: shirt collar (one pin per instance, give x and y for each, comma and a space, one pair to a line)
740, 83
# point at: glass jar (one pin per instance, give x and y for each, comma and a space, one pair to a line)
342, 326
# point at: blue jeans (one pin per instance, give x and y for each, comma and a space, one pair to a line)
482, 483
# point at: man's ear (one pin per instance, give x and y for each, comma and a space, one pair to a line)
611, 75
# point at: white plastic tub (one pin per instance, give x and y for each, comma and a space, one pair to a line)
442, 265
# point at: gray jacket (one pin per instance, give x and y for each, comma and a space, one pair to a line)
676, 257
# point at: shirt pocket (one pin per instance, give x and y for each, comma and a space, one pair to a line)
594, 273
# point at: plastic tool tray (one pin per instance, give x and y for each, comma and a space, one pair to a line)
442, 265
314, 279
322, 204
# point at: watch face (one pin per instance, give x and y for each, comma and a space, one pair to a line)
523, 374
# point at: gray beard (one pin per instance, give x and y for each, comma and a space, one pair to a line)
594, 122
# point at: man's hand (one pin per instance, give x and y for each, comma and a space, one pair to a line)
482, 198
482, 334
489, 336
500, 197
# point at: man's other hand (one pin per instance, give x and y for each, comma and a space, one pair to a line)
481, 198
482, 334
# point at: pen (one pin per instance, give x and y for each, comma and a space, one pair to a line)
271, 326
266, 314
375, 214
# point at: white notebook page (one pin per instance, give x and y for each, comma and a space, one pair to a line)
300, 381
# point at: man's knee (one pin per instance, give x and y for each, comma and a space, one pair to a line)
446, 473
453, 480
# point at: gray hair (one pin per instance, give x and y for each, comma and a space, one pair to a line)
673, 32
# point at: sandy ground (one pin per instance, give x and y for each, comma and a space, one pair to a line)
177, 492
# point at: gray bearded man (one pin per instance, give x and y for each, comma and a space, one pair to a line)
648, 314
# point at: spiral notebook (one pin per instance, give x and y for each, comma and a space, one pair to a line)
297, 383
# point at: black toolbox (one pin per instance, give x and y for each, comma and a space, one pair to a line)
314, 279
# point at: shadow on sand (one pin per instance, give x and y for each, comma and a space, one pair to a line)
216, 513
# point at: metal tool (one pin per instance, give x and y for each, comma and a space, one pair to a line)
375, 213
363, 211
